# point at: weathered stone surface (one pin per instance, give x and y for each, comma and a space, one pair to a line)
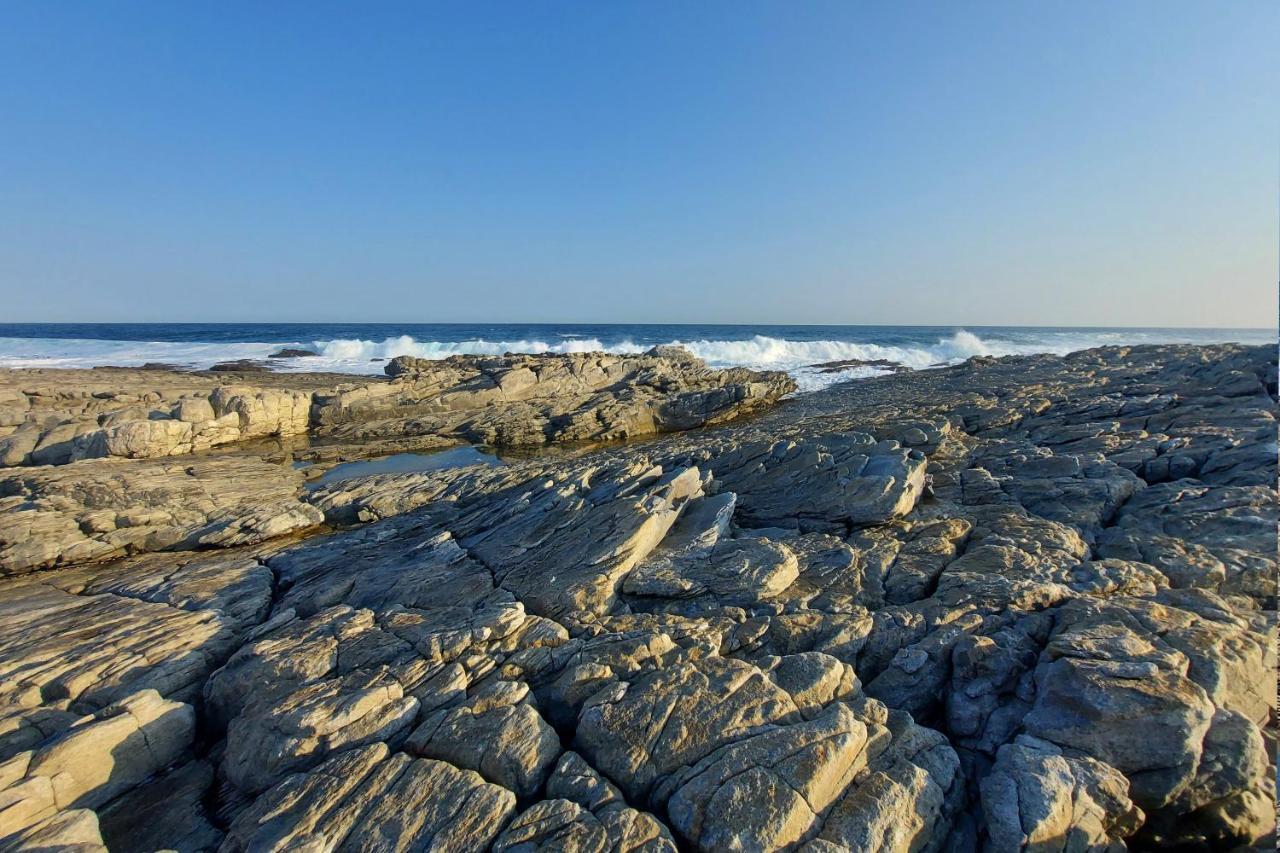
567, 545
94, 760
368, 798
821, 482
1037, 796
905, 799
561, 824
772, 789
1049, 625
575, 781
725, 751
98, 510
269, 739
88, 651
734, 571
55, 417
74, 830
1147, 721
1200, 535
496, 732
66, 415
531, 400
232, 583
364, 499
638, 733
167, 812
104, 755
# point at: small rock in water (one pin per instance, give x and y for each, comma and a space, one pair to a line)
242, 365
850, 363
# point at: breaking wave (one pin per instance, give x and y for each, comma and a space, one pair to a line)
757, 350
760, 351
797, 357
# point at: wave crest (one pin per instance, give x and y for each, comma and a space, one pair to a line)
760, 350
356, 349
796, 356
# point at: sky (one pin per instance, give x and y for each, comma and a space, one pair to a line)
1046, 163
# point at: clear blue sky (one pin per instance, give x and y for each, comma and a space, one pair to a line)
1089, 163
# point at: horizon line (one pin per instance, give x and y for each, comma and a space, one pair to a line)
615, 323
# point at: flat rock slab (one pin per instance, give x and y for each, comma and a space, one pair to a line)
98, 510
826, 483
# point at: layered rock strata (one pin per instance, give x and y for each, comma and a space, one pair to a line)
54, 417
1020, 604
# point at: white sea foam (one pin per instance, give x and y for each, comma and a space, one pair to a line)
798, 357
759, 350
351, 349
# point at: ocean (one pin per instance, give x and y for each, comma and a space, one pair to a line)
364, 347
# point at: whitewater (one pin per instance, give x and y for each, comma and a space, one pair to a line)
364, 349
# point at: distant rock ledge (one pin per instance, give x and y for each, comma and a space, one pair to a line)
51, 417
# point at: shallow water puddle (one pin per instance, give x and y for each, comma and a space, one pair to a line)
407, 463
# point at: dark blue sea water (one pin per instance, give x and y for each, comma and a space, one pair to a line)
364, 347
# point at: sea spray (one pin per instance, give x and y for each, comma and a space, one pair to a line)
365, 348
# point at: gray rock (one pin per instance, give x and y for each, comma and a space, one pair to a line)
270, 739
733, 571
819, 482
1060, 603
166, 813
1146, 722
495, 732
1036, 795
771, 790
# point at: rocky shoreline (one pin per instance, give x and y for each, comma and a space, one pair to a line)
51, 417
1016, 604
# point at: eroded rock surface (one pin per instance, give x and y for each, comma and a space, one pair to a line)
54, 417
1022, 604
96, 510
516, 400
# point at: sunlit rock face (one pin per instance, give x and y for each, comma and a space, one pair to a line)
1018, 604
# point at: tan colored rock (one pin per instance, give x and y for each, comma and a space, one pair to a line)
638, 733
106, 754
274, 737
1036, 795
538, 399
769, 791
906, 797
96, 510
619, 515
62, 416
89, 651
627, 829
72, 831
988, 606
368, 798
733, 571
